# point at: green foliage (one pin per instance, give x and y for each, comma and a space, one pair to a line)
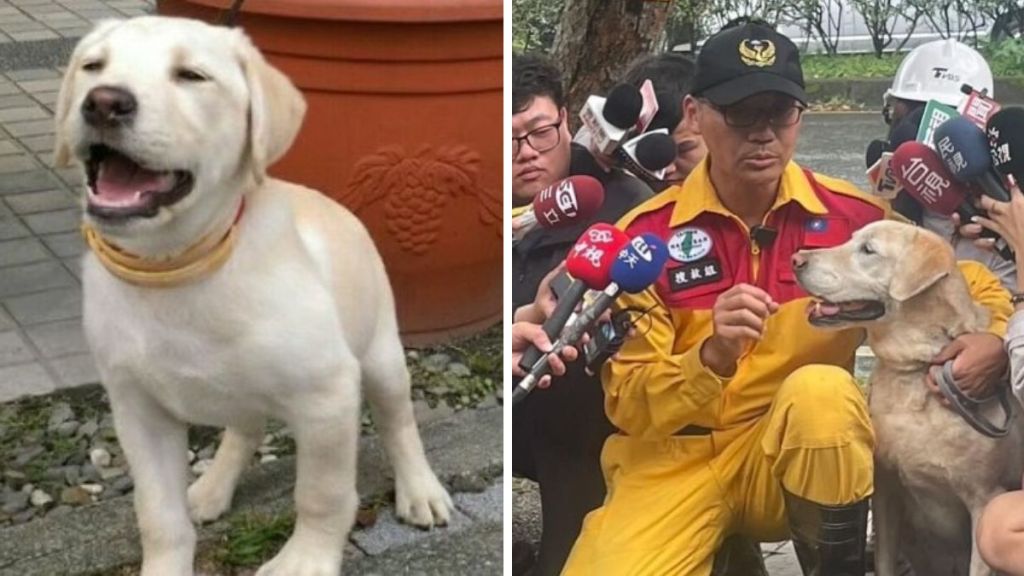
1006, 57
254, 538
819, 66
534, 23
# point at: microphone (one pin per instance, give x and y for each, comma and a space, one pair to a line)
573, 199
647, 155
590, 263
964, 150
1006, 142
922, 175
874, 152
977, 107
636, 266
607, 120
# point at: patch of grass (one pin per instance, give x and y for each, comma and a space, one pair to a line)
252, 539
482, 354
820, 66
1006, 58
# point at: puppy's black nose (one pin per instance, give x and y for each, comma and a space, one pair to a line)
109, 107
799, 261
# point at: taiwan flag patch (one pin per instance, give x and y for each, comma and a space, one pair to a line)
824, 231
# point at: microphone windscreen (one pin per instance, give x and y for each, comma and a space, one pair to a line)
572, 199
922, 175
655, 151
874, 152
590, 259
1006, 142
963, 148
639, 263
623, 105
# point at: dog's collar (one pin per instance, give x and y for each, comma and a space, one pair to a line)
203, 258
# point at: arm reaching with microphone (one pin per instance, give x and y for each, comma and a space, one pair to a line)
527, 334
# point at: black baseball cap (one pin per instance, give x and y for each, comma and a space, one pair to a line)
749, 59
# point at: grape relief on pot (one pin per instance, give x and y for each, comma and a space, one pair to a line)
416, 188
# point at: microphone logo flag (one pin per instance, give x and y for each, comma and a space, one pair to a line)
935, 115
565, 198
945, 147
931, 184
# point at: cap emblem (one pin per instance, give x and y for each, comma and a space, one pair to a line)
758, 53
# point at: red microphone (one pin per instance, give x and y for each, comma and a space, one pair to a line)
570, 200
920, 172
590, 263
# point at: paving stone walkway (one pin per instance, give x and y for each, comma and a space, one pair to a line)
41, 343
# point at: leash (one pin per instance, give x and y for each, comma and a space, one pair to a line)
230, 17
968, 408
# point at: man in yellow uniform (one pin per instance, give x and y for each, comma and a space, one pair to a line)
734, 414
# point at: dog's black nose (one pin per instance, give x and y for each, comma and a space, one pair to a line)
109, 107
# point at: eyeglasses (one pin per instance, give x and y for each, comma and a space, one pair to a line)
540, 139
778, 116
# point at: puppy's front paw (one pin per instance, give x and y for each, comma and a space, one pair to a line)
423, 501
208, 499
298, 558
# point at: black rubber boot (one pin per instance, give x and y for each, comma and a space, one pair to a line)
739, 556
829, 540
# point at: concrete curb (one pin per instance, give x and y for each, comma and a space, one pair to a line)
103, 537
868, 92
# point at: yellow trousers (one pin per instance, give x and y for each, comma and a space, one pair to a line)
672, 502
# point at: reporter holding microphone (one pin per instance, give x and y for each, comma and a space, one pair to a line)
1001, 528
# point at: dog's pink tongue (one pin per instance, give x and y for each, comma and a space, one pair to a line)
119, 180
827, 309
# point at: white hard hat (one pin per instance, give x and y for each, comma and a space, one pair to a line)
936, 71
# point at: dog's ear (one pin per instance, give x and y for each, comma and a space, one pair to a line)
921, 267
276, 108
62, 148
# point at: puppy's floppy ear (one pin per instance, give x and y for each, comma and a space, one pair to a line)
926, 261
276, 108
62, 148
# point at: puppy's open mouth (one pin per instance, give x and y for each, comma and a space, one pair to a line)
121, 188
824, 313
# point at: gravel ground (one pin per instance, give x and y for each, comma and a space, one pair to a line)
61, 450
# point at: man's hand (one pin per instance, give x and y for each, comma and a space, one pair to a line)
739, 317
979, 363
1004, 218
525, 334
543, 303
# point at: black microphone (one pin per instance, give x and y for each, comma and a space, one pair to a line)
635, 267
764, 236
874, 152
1006, 142
609, 120
964, 150
589, 262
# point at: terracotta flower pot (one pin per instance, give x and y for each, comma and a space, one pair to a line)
404, 128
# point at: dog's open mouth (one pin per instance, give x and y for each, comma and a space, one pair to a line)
824, 313
121, 188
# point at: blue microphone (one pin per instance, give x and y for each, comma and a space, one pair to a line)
964, 150
636, 267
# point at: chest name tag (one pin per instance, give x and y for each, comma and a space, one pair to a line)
696, 274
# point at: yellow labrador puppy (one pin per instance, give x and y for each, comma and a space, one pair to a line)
933, 472
217, 295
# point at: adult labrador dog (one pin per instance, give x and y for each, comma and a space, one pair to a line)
217, 295
933, 472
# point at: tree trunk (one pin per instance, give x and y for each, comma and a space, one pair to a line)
597, 39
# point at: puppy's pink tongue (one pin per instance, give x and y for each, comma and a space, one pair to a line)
829, 309
120, 181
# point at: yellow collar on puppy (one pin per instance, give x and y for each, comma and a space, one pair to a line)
202, 259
